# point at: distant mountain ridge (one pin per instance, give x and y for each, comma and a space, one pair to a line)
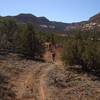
40, 23
44, 24
95, 18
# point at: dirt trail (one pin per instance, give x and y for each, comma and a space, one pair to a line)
48, 58
24, 77
30, 84
31, 80
42, 92
43, 81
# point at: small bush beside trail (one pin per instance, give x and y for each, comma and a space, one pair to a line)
82, 51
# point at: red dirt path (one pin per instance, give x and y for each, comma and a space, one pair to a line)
48, 58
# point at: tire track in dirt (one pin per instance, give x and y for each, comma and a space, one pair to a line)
42, 90
43, 80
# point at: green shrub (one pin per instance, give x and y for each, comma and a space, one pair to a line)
81, 51
27, 42
91, 55
72, 52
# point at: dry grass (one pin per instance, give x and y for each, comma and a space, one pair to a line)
22, 79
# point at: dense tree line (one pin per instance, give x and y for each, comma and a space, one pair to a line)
20, 38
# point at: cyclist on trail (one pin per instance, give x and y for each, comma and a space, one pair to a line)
53, 53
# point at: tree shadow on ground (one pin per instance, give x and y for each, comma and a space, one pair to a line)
6, 92
94, 74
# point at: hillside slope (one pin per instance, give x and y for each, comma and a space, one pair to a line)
95, 18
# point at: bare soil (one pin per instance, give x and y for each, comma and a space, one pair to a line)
23, 79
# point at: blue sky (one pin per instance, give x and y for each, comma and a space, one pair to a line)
56, 10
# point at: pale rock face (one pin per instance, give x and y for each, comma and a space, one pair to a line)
99, 25
72, 26
52, 27
43, 26
46, 26
90, 25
